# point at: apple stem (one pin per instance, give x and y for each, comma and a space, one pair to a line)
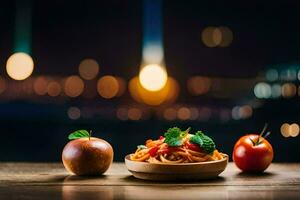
258, 141
90, 135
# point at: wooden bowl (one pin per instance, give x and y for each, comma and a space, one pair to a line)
173, 172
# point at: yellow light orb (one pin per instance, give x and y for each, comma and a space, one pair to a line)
153, 77
19, 66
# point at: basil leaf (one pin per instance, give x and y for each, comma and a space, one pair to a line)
174, 136
208, 144
79, 134
196, 139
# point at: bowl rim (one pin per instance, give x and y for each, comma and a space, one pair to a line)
226, 158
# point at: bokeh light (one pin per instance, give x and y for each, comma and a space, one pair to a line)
153, 77
288, 90
262, 90
122, 114
288, 130
134, 114
168, 93
122, 86
217, 36
235, 113
88, 69
226, 36
74, 113
73, 86
288, 75
272, 75
183, 113
198, 85
211, 36
53, 89
40, 85
245, 112
108, 87
170, 114
276, 91
194, 113
19, 66
294, 130
284, 129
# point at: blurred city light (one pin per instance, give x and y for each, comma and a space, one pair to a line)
122, 86
134, 114
73, 86
170, 114
108, 87
262, 90
284, 129
168, 93
276, 91
211, 36
53, 89
235, 113
288, 130
183, 113
122, 114
153, 77
40, 85
194, 113
19, 66
288, 90
294, 130
217, 36
88, 69
198, 85
226, 36
74, 113
272, 75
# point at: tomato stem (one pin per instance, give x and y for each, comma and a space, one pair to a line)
261, 136
90, 134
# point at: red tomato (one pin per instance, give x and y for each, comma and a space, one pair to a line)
153, 151
251, 157
161, 137
193, 147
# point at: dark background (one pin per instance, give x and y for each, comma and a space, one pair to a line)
65, 32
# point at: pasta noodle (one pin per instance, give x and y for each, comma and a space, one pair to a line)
156, 151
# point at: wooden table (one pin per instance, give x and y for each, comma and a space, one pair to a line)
51, 181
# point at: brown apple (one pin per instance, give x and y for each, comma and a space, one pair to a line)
87, 156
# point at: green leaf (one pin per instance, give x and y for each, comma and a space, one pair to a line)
141, 147
196, 139
205, 142
173, 136
79, 134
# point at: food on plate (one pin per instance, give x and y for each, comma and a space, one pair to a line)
253, 153
86, 155
178, 146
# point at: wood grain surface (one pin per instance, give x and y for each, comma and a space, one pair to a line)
51, 181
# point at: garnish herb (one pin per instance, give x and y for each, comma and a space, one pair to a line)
205, 142
80, 134
174, 136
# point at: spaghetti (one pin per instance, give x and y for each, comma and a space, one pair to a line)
158, 151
